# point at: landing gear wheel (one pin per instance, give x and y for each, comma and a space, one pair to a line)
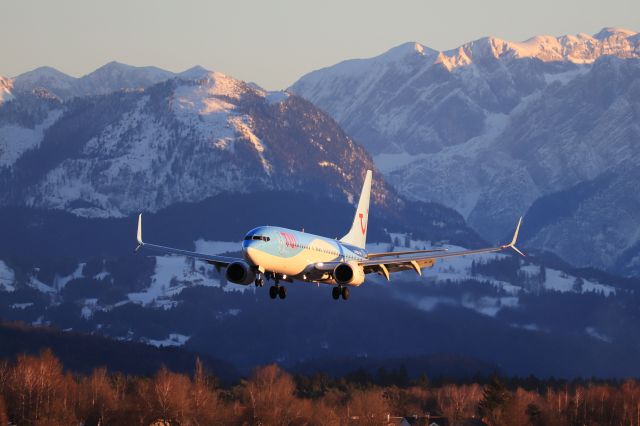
282, 292
273, 292
259, 282
335, 293
345, 293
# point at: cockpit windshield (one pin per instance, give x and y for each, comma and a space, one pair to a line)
256, 237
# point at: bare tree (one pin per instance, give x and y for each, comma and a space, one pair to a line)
368, 407
4, 420
97, 398
204, 399
39, 390
269, 396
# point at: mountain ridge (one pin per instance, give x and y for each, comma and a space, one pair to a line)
241, 137
105, 79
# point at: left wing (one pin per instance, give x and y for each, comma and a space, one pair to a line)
416, 263
217, 261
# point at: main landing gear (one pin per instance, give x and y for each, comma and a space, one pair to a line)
277, 291
338, 291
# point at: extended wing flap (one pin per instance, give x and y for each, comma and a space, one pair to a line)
402, 253
407, 264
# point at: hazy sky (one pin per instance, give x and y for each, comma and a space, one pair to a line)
274, 42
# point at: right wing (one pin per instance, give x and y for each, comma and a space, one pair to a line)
416, 263
217, 261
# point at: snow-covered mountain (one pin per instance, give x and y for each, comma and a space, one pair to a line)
106, 79
182, 140
493, 125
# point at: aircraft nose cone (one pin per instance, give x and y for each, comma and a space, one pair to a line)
250, 253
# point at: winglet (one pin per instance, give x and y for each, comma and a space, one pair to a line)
512, 244
139, 234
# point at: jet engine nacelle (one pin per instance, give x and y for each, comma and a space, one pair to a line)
348, 274
240, 272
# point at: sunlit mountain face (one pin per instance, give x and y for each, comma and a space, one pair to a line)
496, 128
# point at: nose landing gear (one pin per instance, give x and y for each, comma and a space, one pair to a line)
275, 290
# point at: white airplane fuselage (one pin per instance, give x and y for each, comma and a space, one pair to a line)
296, 255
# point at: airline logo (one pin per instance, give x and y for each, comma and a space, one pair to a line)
363, 222
289, 239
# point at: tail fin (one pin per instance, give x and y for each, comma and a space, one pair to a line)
357, 235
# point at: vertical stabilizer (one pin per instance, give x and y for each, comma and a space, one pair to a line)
357, 236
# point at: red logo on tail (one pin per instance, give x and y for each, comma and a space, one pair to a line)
363, 226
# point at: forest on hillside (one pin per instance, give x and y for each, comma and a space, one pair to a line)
36, 390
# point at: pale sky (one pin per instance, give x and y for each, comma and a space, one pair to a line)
272, 43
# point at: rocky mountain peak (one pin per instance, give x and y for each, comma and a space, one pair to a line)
609, 32
194, 72
47, 78
6, 85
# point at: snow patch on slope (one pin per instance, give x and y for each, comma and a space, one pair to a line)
15, 140
22, 306
174, 339
36, 284
61, 282
89, 307
7, 277
171, 276
217, 247
591, 331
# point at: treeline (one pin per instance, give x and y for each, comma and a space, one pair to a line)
80, 352
35, 390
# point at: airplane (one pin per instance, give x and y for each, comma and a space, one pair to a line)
280, 254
